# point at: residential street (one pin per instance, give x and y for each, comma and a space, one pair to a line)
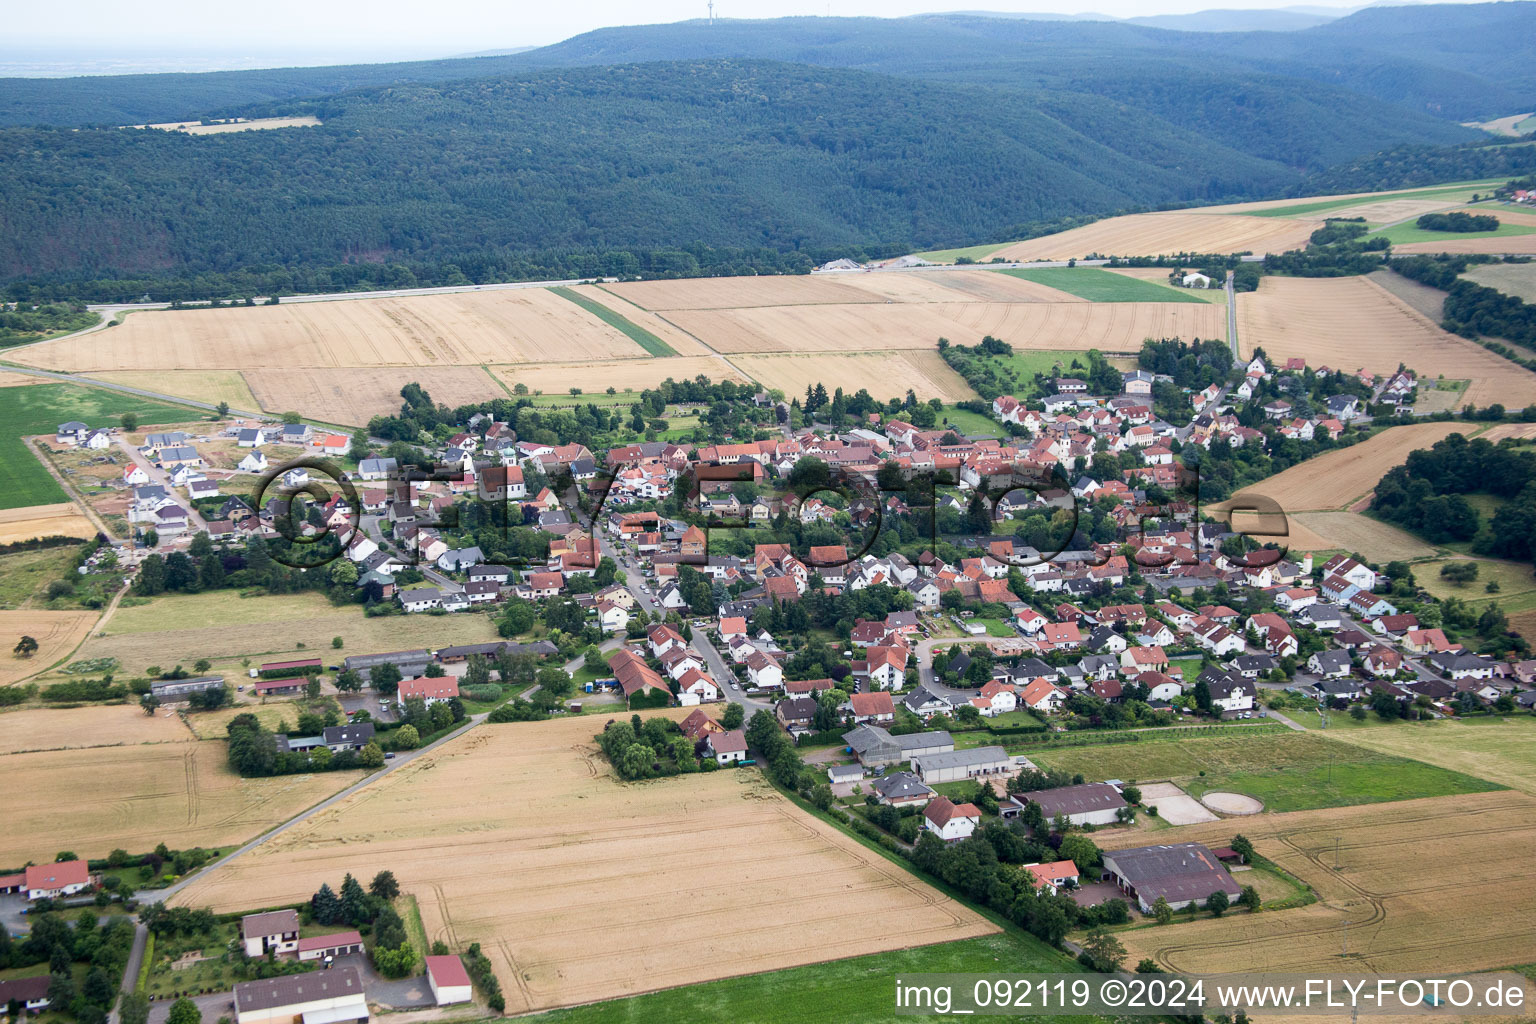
195, 521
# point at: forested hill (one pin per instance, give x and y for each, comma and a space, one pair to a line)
1451, 61
480, 174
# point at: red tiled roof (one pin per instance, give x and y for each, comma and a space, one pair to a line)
447, 971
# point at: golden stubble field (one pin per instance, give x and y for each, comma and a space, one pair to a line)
883, 373
582, 888
56, 633
458, 329
1159, 234
1335, 478
912, 286
99, 725
1438, 885
354, 394
98, 799
1107, 326
623, 374
62, 520
1350, 323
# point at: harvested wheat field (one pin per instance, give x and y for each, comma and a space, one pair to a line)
1499, 431
1399, 866
99, 725
11, 379
1107, 326
1166, 234
661, 865
1350, 323
1335, 478
458, 329
1390, 211
56, 633
183, 794
212, 386
623, 374
353, 395
1506, 216
681, 341
1351, 531
62, 520
925, 373
1497, 244
956, 285
732, 292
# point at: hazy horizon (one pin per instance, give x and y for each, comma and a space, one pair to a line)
177, 36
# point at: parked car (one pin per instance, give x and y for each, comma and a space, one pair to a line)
389, 756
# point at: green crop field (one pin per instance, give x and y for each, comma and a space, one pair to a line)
39, 409
1288, 771
979, 253
1403, 234
642, 337
1456, 193
860, 988
1098, 285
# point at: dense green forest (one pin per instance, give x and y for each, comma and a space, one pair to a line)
439, 184
1453, 61
688, 149
1470, 308
1428, 492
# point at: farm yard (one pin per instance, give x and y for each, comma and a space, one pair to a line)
56, 633
1286, 771
98, 799
100, 725
1166, 234
1349, 323
1398, 866
60, 520
514, 801
178, 629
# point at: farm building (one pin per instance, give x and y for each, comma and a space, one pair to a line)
950, 821
38, 881
875, 746
319, 947
429, 688
320, 997
954, 765
274, 932
1094, 803
268, 687
448, 980
1182, 874
29, 993
902, 789
1056, 874
180, 689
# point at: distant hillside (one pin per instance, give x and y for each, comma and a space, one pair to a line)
479, 174
1453, 61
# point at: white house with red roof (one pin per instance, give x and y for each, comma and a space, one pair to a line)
1040, 694
432, 689
950, 821
448, 980
52, 881
1055, 874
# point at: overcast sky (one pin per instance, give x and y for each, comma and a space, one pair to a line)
307, 31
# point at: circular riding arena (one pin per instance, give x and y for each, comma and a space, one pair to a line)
1232, 803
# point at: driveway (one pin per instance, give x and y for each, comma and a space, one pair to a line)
220, 1004
400, 993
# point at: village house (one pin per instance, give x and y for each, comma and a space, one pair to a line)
949, 821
